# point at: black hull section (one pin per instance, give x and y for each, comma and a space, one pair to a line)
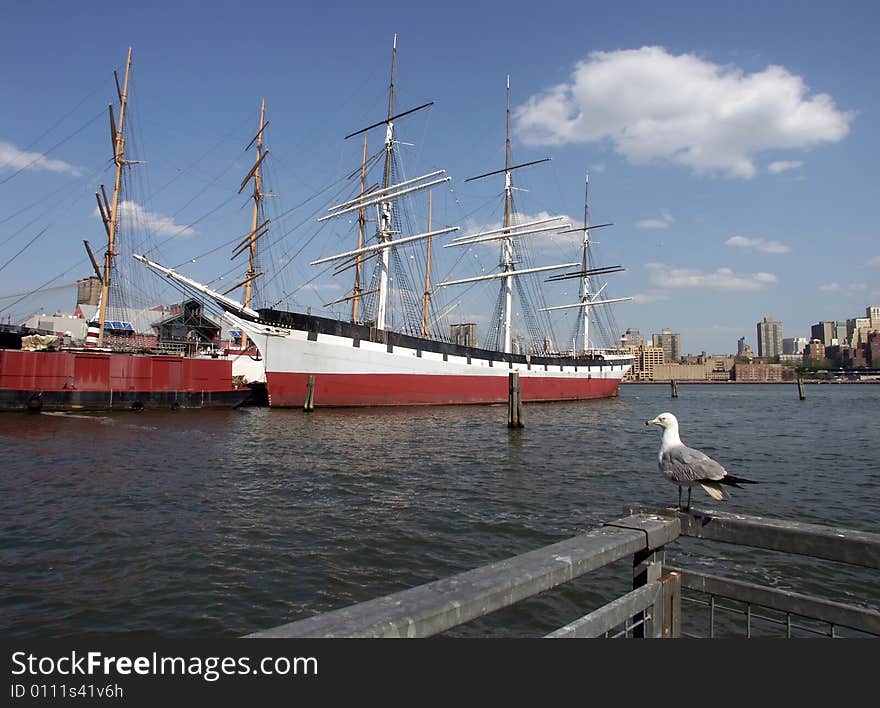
37, 401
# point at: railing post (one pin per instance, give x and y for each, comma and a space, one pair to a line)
647, 567
669, 611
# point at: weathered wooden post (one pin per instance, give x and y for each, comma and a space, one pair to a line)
802, 394
309, 404
667, 609
674, 388
514, 402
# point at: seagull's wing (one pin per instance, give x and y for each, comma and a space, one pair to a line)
684, 464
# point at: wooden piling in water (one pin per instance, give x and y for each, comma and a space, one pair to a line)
674, 388
514, 402
309, 404
802, 394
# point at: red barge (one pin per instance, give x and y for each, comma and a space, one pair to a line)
96, 380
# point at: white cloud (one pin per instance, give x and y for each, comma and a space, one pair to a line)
857, 287
135, 214
774, 168
664, 222
874, 262
830, 287
758, 244
320, 287
666, 276
643, 298
12, 157
655, 106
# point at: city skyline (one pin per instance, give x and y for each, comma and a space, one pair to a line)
827, 331
732, 148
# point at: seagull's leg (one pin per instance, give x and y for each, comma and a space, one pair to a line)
690, 489
679, 497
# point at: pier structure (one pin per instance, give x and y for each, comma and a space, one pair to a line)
665, 601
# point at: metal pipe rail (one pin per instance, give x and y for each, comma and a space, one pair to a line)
834, 614
438, 606
859, 548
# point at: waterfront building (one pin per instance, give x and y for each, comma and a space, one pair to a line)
769, 338
815, 351
646, 358
758, 372
741, 346
872, 312
670, 343
681, 372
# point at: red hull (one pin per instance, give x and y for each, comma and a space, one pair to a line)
289, 390
101, 380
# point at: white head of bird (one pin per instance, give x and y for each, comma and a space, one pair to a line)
669, 423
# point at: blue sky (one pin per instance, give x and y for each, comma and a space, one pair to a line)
733, 147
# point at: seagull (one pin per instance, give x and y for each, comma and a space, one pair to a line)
686, 467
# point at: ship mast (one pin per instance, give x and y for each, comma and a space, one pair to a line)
426, 298
258, 204
507, 242
110, 213
585, 264
506, 234
362, 222
384, 234
258, 229
587, 298
382, 198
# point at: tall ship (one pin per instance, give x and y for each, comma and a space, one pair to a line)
112, 370
366, 361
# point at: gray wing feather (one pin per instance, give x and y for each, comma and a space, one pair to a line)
685, 464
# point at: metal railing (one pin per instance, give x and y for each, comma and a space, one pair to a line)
744, 603
650, 610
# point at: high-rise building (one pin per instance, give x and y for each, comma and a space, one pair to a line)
824, 332
741, 346
857, 331
840, 331
646, 358
632, 338
769, 338
872, 312
670, 344
794, 345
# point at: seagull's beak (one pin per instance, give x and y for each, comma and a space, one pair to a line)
653, 421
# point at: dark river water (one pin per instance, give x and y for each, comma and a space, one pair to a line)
218, 523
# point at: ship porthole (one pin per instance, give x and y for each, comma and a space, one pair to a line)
137, 406
35, 402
